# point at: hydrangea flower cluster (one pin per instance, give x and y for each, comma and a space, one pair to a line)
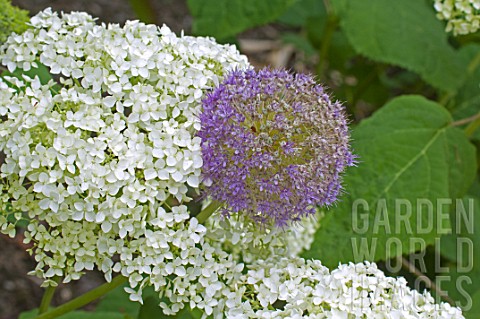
97, 159
274, 145
201, 273
462, 16
295, 288
276, 283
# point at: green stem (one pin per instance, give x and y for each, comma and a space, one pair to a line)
472, 127
473, 65
47, 297
473, 124
207, 211
466, 120
83, 299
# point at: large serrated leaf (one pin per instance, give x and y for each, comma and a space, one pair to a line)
466, 101
226, 18
404, 154
462, 275
118, 301
404, 33
461, 163
151, 309
474, 312
298, 14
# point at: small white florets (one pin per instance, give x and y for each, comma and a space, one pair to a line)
95, 156
462, 16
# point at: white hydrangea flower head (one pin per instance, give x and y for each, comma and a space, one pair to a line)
204, 264
249, 242
297, 288
99, 158
462, 16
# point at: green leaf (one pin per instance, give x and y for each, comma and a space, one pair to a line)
461, 162
404, 33
462, 277
118, 301
404, 157
474, 312
299, 12
42, 72
76, 315
151, 309
225, 18
466, 101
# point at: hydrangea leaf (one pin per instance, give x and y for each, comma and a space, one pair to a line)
467, 99
225, 18
404, 33
41, 71
474, 312
150, 309
299, 12
118, 301
461, 163
404, 157
463, 273
76, 315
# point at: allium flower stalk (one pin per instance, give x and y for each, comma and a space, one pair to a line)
274, 145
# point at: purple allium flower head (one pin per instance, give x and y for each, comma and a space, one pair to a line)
274, 145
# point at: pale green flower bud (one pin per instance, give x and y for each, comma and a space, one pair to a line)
12, 19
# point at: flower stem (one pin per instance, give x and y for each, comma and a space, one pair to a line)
466, 120
207, 211
47, 297
428, 282
473, 126
83, 299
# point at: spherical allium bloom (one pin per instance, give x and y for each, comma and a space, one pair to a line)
274, 145
98, 157
462, 16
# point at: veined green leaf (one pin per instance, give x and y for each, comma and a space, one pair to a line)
404, 33
225, 18
399, 195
